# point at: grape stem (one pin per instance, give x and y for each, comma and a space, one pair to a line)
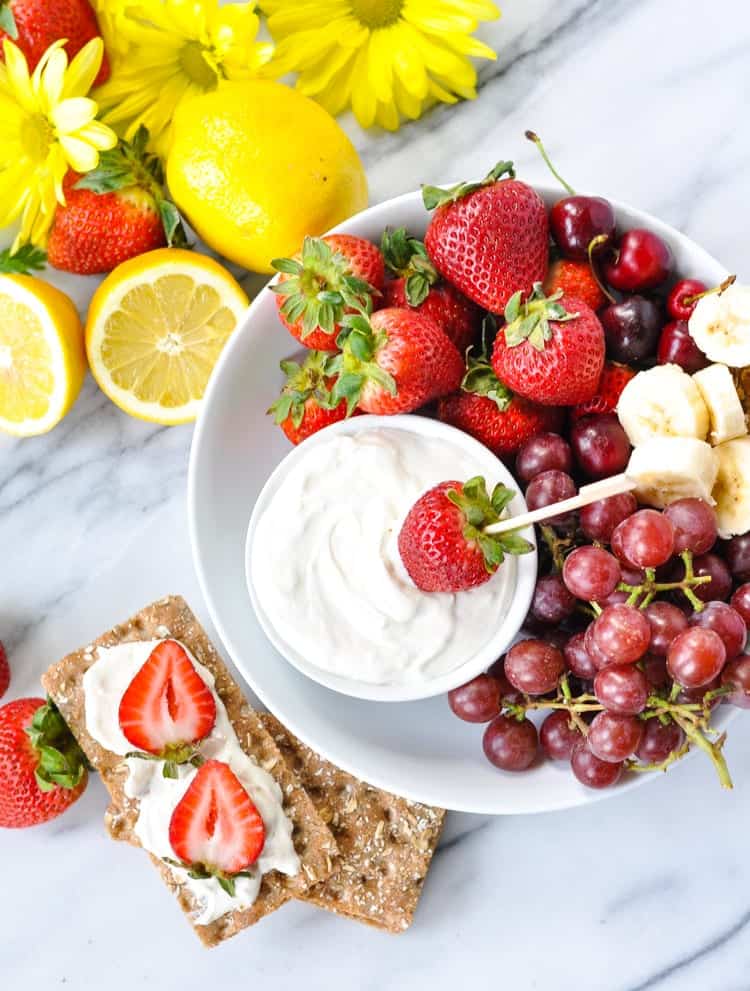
662, 765
650, 588
712, 748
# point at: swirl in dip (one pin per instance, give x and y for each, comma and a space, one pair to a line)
326, 570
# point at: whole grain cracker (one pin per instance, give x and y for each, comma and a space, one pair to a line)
171, 617
385, 842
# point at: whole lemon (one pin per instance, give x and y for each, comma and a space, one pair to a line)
255, 166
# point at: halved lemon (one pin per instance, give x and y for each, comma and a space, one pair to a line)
42, 356
156, 327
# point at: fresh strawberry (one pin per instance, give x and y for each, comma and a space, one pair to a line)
305, 405
331, 276
418, 284
167, 707
394, 362
118, 210
613, 380
489, 238
551, 349
575, 278
215, 829
488, 410
4, 671
443, 543
34, 24
42, 769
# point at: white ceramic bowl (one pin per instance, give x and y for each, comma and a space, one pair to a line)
417, 749
517, 574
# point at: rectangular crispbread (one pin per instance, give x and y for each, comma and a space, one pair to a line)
385, 842
313, 840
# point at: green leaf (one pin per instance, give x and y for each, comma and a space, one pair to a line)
289, 266
170, 220
501, 497
514, 544
513, 306
360, 345
434, 196
8, 21
417, 287
169, 770
226, 884
26, 258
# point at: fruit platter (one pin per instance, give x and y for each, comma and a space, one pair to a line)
595, 353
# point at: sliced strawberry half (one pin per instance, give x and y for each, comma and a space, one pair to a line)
215, 829
167, 706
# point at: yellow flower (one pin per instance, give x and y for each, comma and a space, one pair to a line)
110, 15
177, 49
388, 59
47, 125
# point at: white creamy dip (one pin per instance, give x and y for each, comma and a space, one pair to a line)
104, 684
328, 576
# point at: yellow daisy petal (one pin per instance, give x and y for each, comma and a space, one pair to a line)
84, 69
53, 77
99, 135
19, 81
73, 114
80, 155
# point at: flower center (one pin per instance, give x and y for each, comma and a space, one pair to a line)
37, 135
377, 13
196, 67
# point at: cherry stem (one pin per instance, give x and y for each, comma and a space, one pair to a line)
730, 281
532, 136
598, 242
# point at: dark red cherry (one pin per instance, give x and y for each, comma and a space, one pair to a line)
642, 261
677, 308
576, 220
631, 328
677, 347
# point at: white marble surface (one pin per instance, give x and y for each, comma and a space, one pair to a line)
644, 100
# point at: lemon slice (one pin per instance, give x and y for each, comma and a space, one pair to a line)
155, 329
42, 356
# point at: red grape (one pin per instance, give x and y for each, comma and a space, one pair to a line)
696, 657
737, 673
630, 574
550, 487
646, 538
477, 701
591, 573
510, 744
497, 671
615, 598
622, 688
534, 667
655, 669
712, 565
577, 657
552, 602
622, 633
667, 622
543, 452
699, 694
558, 735
741, 602
599, 519
600, 445
694, 523
613, 737
591, 771
598, 658
737, 555
725, 621
658, 741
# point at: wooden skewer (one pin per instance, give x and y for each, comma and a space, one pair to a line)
587, 494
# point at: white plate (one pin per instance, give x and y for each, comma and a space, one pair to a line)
417, 749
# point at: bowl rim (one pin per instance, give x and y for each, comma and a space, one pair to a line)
522, 574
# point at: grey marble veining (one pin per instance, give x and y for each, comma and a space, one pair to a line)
644, 100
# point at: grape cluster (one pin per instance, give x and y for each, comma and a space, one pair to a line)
636, 633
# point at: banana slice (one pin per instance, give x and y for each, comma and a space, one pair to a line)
662, 402
732, 488
669, 468
720, 326
725, 410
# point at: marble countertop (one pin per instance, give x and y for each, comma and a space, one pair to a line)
642, 100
